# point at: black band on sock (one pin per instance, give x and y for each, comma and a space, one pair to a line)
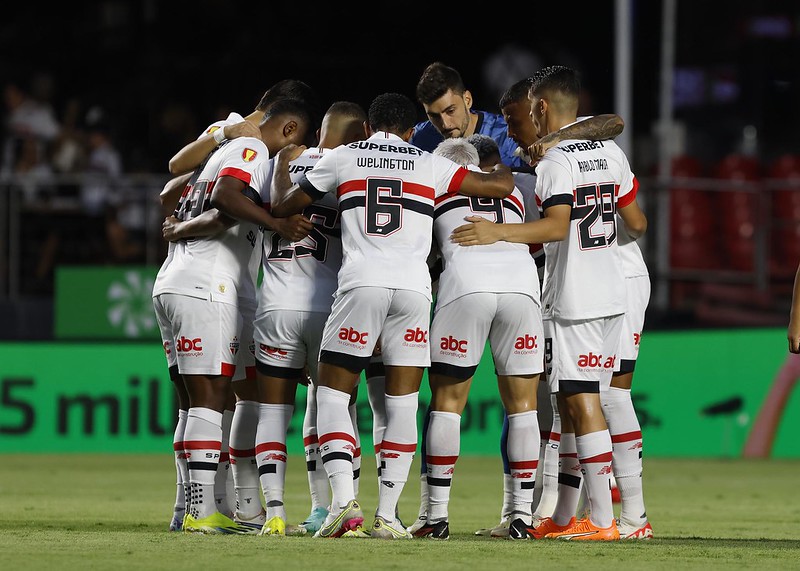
442, 482
267, 469
337, 456
569, 480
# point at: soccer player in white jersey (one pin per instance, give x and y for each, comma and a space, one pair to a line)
515, 107
623, 425
580, 185
241, 424
488, 293
386, 190
205, 286
294, 300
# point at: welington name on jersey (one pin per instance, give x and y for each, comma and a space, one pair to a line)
385, 163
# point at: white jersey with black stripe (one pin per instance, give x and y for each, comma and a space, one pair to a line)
386, 190
584, 278
223, 267
502, 267
303, 275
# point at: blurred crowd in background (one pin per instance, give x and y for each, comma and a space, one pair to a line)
98, 97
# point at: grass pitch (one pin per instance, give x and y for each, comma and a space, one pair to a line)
112, 511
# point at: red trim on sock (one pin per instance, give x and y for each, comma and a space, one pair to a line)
440, 460
386, 445
242, 453
325, 438
600, 458
627, 436
525, 464
310, 439
266, 446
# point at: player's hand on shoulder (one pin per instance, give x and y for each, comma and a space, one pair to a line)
243, 129
290, 152
537, 150
478, 231
170, 229
294, 227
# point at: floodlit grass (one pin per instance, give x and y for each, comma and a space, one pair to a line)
112, 511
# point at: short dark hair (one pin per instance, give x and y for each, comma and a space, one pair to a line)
300, 109
293, 89
556, 78
347, 109
392, 112
287, 89
436, 80
516, 93
485, 145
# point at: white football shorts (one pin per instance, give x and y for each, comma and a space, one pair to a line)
204, 335
400, 318
638, 298
584, 354
287, 341
510, 322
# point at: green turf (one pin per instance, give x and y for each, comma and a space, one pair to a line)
111, 512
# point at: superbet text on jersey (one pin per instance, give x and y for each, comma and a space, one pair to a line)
386, 190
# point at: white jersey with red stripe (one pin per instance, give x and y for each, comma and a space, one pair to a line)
584, 278
303, 275
502, 267
223, 267
386, 190
232, 119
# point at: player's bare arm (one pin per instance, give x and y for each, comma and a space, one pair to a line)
172, 191
634, 219
498, 183
286, 198
193, 154
281, 180
291, 202
793, 333
552, 228
232, 197
209, 223
597, 128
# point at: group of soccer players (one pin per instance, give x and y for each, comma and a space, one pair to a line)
344, 225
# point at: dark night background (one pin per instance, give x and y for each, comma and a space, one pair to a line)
164, 70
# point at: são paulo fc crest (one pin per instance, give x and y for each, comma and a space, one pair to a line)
249, 155
234, 346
